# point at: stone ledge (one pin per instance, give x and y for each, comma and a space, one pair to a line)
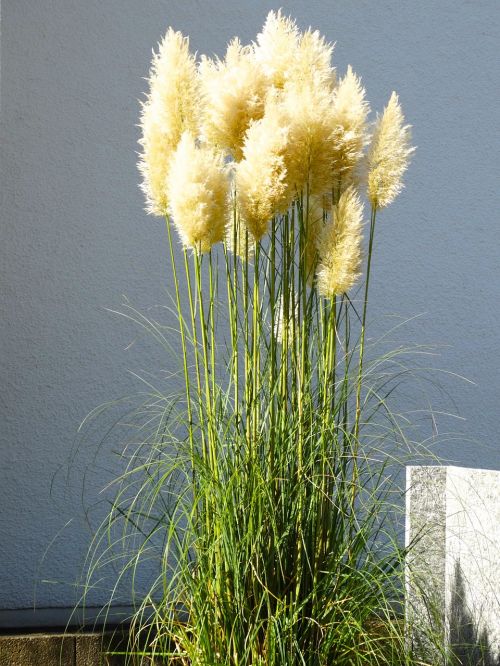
70, 649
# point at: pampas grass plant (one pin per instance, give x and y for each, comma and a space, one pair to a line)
264, 486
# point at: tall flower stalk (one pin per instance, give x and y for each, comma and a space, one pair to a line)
256, 161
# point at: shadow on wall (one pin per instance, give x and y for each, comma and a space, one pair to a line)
469, 646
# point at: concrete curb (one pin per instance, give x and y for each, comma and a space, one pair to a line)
85, 649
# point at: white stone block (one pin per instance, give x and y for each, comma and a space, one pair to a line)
453, 564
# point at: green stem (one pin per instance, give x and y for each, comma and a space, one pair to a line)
256, 347
183, 342
355, 444
194, 338
206, 368
363, 326
273, 368
246, 343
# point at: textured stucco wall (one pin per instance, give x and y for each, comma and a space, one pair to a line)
74, 237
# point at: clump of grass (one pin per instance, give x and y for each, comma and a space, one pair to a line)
266, 552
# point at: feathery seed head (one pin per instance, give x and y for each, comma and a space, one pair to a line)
350, 112
197, 191
234, 91
172, 107
310, 63
389, 155
289, 57
340, 246
261, 177
276, 45
310, 142
153, 162
286, 152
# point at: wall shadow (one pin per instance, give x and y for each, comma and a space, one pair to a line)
469, 646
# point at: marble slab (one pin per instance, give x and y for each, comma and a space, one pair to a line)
453, 564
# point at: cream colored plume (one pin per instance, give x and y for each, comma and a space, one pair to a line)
276, 46
340, 246
197, 191
310, 63
261, 177
287, 154
308, 115
389, 155
234, 90
350, 112
303, 101
172, 107
306, 108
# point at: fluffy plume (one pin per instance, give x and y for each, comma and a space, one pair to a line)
340, 246
172, 107
197, 190
153, 162
304, 104
350, 111
308, 115
389, 155
261, 183
309, 64
277, 45
234, 91
286, 152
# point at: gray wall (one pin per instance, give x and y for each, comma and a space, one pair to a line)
75, 237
